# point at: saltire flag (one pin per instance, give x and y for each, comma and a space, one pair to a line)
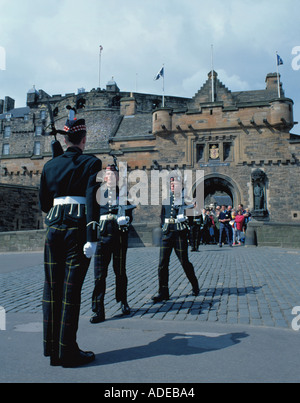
279, 60
159, 74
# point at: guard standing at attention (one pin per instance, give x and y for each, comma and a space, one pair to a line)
68, 195
174, 235
113, 243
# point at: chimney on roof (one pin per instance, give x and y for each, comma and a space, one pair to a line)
9, 104
271, 81
128, 105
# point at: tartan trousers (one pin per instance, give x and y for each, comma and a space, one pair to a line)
194, 236
177, 240
111, 245
65, 270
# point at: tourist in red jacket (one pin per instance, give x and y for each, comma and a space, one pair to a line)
239, 220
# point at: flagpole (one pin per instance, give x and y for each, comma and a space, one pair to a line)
278, 81
163, 102
212, 75
101, 48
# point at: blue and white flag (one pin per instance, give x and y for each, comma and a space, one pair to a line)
159, 74
279, 60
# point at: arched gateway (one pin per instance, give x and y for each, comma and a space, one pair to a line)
219, 189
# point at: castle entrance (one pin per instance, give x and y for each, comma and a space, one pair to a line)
217, 191
220, 189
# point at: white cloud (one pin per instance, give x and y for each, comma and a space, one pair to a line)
54, 44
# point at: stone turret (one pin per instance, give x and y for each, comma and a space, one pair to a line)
281, 112
32, 96
112, 86
161, 120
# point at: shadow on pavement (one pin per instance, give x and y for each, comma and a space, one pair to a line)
176, 344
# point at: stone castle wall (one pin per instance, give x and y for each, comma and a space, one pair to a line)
228, 139
19, 209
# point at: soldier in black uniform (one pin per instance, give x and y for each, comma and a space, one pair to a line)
113, 242
194, 233
68, 195
175, 235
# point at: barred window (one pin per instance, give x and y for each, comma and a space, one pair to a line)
38, 130
37, 148
5, 149
7, 132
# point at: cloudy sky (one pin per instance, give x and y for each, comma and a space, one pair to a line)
54, 45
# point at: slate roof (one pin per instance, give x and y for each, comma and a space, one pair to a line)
139, 125
16, 113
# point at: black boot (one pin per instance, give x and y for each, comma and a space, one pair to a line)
99, 316
125, 308
81, 358
163, 295
54, 360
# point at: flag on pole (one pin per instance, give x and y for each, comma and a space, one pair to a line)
279, 60
100, 54
159, 74
212, 75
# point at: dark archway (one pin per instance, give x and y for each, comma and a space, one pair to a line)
219, 189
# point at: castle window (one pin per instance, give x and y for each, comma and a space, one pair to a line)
37, 148
7, 132
38, 130
226, 151
200, 152
5, 149
43, 114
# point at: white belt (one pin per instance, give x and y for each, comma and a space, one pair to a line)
171, 221
69, 200
108, 217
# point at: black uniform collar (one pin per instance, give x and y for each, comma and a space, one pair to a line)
73, 150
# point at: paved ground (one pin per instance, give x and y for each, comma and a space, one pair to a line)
239, 329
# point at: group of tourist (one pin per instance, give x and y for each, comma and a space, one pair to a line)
218, 225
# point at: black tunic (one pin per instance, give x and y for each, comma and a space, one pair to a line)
72, 174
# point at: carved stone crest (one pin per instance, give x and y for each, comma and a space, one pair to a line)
214, 152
